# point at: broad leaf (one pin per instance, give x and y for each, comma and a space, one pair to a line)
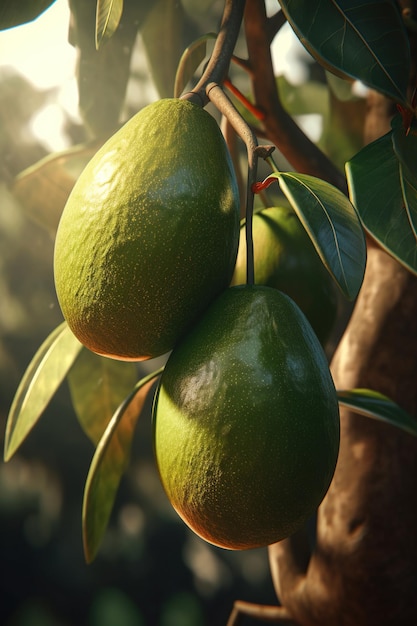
409, 191
332, 224
385, 199
376, 405
108, 465
98, 385
13, 13
405, 147
360, 39
108, 14
191, 58
39, 384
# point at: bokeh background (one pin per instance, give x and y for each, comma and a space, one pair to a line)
151, 570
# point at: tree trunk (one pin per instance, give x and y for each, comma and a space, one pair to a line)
363, 567
363, 570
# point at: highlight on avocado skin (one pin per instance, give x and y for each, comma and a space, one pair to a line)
246, 421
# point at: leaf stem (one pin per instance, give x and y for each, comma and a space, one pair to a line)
270, 160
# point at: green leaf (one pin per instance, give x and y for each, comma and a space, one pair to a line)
405, 147
359, 39
305, 99
108, 465
332, 224
409, 191
43, 188
163, 33
376, 405
191, 58
17, 12
385, 199
103, 74
97, 386
343, 128
405, 144
108, 14
39, 384
340, 87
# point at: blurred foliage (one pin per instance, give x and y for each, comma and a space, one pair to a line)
150, 568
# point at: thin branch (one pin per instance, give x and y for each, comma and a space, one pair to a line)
280, 127
220, 100
274, 24
243, 63
218, 66
262, 612
217, 96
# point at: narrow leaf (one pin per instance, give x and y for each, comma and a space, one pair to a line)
98, 385
108, 14
359, 39
43, 188
108, 465
384, 199
191, 58
376, 405
332, 224
103, 75
163, 37
39, 384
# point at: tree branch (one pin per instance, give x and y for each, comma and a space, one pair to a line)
262, 612
274, 24
218, 65
280, 128
217, 96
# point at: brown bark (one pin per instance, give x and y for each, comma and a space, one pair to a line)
279, 126
363, 570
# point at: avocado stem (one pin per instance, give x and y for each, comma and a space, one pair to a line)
221, 101
217, 68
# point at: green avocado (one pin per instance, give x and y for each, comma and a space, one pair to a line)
149, 235
285, 259
246, 421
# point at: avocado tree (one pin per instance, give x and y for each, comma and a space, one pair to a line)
258, 440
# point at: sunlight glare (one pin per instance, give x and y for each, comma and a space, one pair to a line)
40, 50
48, 127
